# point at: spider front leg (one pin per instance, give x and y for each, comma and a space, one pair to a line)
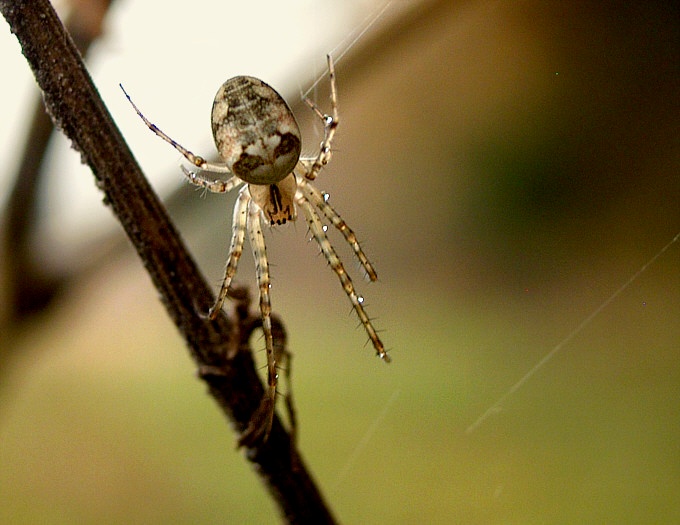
261, 422
314, 165
316, 227
238, 234
196, 160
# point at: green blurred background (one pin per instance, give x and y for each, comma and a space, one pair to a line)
508, 166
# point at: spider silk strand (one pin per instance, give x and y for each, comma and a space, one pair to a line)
350, 40
497, 406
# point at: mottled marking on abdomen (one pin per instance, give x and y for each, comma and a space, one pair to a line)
255, 131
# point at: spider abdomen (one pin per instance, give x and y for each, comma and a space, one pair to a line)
255, 131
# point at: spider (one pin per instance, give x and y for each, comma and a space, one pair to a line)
259, 143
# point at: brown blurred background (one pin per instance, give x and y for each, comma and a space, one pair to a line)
509, 166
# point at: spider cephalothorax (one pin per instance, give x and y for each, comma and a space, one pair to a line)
259, 142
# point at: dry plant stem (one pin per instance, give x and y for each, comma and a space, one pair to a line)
76, 108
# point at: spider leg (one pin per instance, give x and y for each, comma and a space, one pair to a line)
316, 227
318, 199
314, 165
261, 421
213, 185
196, 160
235, 250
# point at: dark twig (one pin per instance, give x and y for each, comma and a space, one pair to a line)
76, 108
249, 322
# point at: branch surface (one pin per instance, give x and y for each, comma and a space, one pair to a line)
76, 108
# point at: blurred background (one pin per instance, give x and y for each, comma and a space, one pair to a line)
509, 166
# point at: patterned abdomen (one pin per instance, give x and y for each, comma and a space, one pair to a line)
255, 131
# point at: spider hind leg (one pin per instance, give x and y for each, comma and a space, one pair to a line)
261, 422
240, 222
317, 229
320, 201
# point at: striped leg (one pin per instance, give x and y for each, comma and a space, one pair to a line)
235, 250
196, 160
213, 185
319, 200
262, 420
316, 227
315, 164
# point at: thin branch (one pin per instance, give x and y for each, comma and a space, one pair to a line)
76, 108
